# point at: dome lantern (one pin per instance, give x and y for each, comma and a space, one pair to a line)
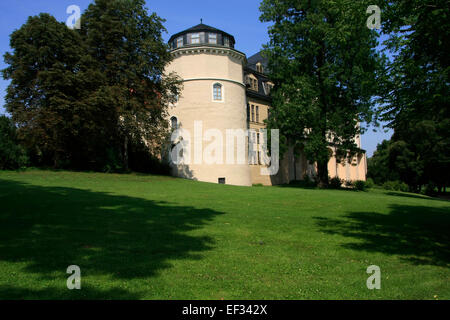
201, 35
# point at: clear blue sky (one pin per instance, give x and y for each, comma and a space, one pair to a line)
237, 17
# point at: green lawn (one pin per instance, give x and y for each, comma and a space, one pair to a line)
151, 237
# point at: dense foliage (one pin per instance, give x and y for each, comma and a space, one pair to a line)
323, 61
12, 155
415, 100
83, 98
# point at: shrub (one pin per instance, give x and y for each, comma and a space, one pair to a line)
336, 183
311, 183
112, 162
12, 155
349, 183
360, 185
403, 187
388, 185
395, 186
307, 182
370, 183
430, 189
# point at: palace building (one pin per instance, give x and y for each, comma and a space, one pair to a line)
224, 90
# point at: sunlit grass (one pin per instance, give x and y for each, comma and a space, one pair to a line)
151, 237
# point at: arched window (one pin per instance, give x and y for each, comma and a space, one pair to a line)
174, 122
217, 92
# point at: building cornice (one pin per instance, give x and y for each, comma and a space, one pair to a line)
208, 49
215, 79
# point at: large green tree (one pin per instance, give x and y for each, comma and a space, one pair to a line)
415, 101
82, 97
127, 46
378, 164
323, 61
43, 84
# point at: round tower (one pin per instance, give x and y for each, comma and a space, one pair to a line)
213, 101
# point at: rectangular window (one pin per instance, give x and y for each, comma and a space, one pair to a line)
226, 42
259, 68
253, 113
213, 38
257, 115
195, 38
179, 42
221, 180
255, 84
248, 112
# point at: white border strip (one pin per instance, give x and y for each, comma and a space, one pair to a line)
215, 79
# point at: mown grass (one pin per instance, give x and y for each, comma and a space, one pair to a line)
151, 237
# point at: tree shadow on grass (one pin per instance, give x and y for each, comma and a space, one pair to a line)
17, 293
125, 238
411, 195
418, 234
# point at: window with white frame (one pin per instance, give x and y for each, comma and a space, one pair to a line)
212, 38
217, 92
195, 38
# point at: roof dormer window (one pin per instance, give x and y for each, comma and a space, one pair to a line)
179, 42
195, 38
252, 82
268, 86
212, 37
259, 67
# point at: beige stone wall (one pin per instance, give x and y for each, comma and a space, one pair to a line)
201, 69
355, 170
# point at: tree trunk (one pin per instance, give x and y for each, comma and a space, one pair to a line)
322, 173
125, 153
295, 169
56, 153
55, 160
322, 164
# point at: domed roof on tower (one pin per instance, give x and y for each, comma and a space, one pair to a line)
201, 34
